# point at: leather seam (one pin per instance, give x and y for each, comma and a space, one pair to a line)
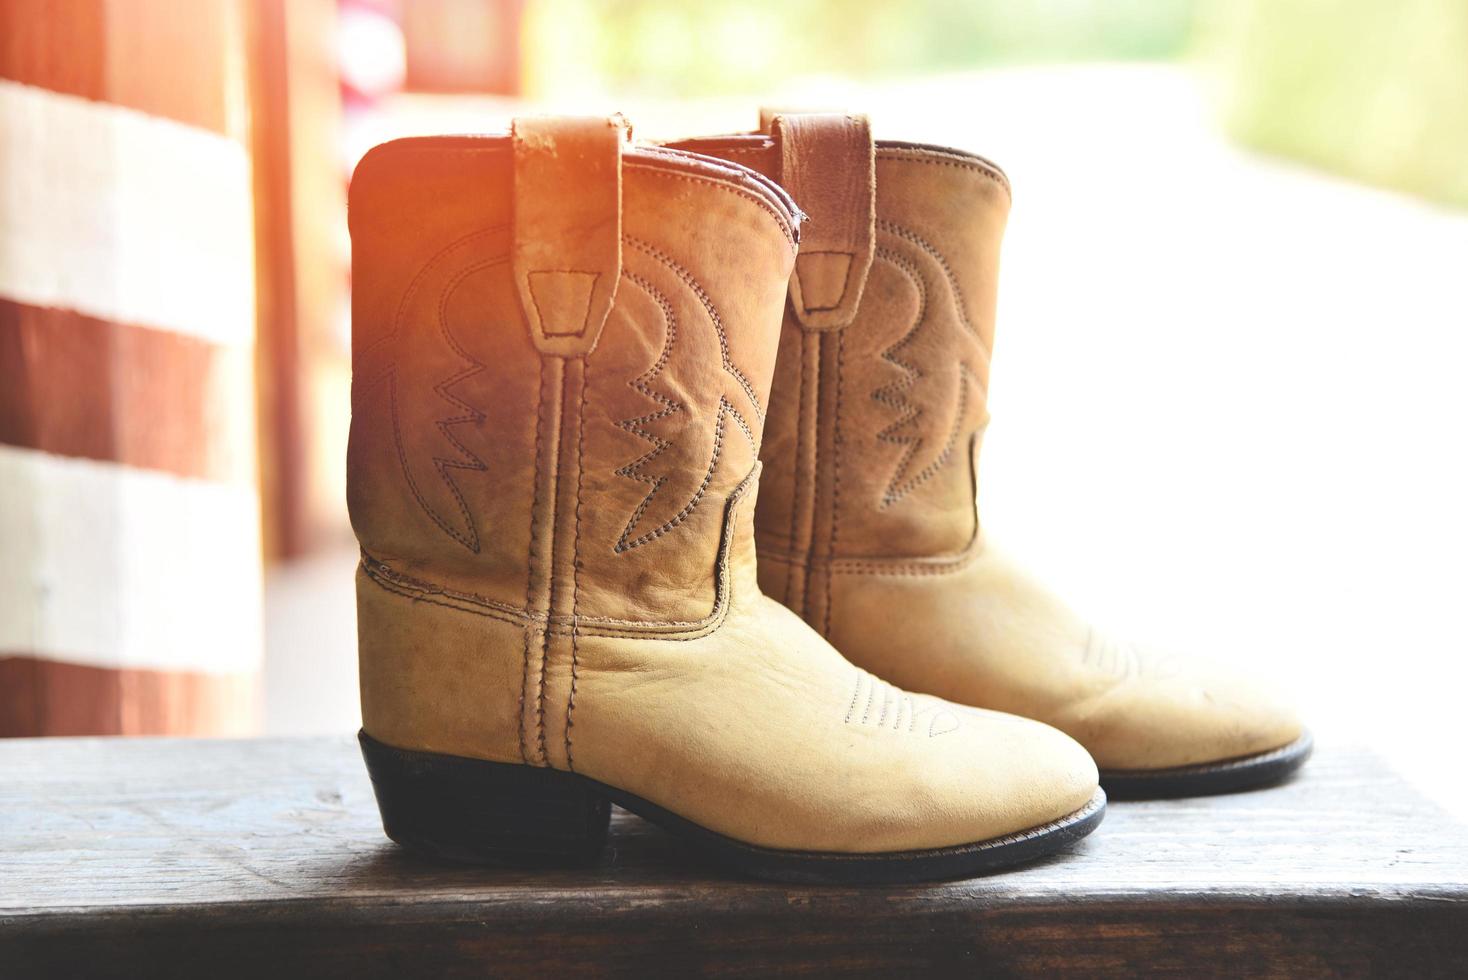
576, 556
555, 472
784, 229
556, 626
835, 478
903, 567
534, 555
509, 614
897, 154
812, 425
390, 581
906, 155
799, 460
381, 574
627, 164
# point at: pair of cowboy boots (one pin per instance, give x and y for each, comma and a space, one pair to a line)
569, 360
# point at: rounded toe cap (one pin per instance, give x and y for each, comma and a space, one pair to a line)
1047, 773
1198, 715
1003, 776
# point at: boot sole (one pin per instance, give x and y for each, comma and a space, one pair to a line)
1209, 778
503, 814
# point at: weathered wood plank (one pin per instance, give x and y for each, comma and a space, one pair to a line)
182, 857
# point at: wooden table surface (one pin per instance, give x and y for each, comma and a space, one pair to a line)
219, 858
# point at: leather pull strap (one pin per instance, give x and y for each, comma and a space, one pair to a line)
767, 116
828, 164
567, 256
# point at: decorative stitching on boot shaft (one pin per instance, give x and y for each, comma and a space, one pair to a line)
643, 384
897, 490
637, 425
960, 305
708, 305
906, 430
893, 394
378, 363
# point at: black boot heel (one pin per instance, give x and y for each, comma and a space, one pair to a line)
469, 810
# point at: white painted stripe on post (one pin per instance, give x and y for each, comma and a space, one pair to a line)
124, 216
109, 566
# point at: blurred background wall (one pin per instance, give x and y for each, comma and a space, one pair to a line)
1227, 387
130, 555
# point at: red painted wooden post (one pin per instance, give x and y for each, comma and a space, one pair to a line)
129, 505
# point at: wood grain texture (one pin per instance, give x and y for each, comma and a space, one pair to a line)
234, 858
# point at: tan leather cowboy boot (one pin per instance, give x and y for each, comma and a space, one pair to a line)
867, 527
563, 355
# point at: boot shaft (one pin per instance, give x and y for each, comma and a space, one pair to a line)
879, 401
562, 358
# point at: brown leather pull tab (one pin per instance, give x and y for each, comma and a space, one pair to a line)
828, 164
568, 227
767, 116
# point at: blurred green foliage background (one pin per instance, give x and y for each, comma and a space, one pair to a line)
716, 47
1372, 89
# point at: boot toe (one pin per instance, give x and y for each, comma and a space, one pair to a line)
1042, 773
1195, 716
1002, 775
